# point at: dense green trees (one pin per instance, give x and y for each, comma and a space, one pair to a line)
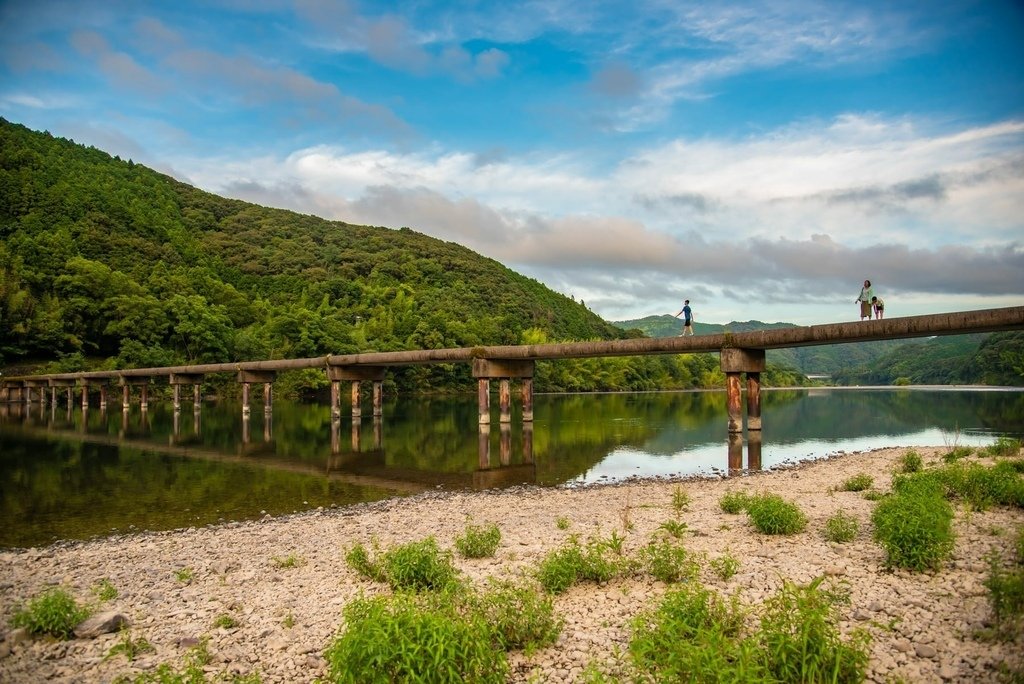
106, 263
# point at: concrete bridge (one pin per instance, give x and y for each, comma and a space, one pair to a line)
740, 353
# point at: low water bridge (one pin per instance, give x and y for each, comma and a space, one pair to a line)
740, 353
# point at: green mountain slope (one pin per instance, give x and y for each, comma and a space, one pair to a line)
106, 259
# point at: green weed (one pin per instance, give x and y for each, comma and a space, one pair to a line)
800, 636
674, 527
562, 523
771, 514
841, 528
1004, 446
128, 647
914, 524
957, 453
185, 575
910, 462
54, 612
680, 500
105, 590
289, 561
416, 566
572, 563
407, 637
668, 561
193, 671
225, 621
858, 483
478, 541
521, 617
734, 502
725, 566
693, 635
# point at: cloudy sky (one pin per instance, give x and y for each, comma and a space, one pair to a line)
758, 158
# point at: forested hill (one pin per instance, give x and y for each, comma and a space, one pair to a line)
104, 261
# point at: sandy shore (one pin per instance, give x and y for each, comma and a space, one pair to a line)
922, 624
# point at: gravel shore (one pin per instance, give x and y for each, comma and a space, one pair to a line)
923, 626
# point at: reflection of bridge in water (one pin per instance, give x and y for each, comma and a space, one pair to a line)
350, 461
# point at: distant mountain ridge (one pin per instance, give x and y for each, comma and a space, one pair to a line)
824, 360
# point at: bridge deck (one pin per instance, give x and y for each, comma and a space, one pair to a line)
959, 323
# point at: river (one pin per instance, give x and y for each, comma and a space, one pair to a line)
71, 475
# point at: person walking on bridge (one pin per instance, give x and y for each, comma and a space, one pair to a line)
865, 300
687, 318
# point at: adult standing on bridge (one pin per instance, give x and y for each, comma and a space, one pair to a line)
865, 300
687, 318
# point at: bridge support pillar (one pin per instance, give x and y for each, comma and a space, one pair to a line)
503, 370
247, 377
179, 379
356, 375
483, 401
735, 361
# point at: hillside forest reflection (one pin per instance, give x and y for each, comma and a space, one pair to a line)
69, 474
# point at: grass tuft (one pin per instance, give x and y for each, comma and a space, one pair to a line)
54, 612
478, 541
771, 514
841, 527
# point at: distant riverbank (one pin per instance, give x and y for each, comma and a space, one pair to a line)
286, 613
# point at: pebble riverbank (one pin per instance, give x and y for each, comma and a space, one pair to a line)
923, 626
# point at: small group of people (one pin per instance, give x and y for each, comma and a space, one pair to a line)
869, 302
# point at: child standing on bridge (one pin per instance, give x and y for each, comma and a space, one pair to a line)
879, 307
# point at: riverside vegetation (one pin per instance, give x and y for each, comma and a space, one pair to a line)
935, 592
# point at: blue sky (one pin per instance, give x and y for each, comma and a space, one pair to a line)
758, 158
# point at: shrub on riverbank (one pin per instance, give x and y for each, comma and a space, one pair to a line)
416, 566
54, 612
771, 514
696, 635
458, 635
914, 524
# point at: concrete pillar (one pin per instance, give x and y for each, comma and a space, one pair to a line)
505, 443
735, 361
528, 442
483, 400
177, 398
335, 436
70, 396
753, 401
378, 398
357, 411
197, 394
268, 397
268, 425
484, 445
735, 453
247, 377
527, 391
733, 404
504, 401
126, 396
335, 399
753, 450
144, 401
103, 397
85, 397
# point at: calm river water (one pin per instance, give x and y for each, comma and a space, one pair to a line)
66, 475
